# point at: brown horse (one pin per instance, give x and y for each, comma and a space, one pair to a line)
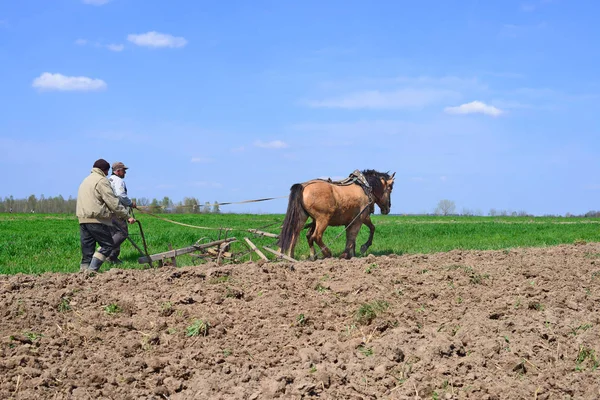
330, 203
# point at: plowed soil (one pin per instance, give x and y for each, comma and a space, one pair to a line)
513, 324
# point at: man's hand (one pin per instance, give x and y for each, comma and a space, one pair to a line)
131, 220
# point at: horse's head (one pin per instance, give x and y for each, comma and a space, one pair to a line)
381, 184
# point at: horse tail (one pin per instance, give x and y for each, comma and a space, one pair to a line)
295, 217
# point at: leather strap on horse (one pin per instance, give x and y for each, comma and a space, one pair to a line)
355, 177
360, 179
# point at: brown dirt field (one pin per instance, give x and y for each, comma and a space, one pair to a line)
518, 324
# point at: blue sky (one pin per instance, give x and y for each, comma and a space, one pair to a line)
490, 104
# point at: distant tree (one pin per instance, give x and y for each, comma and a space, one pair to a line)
207, 207
216, 209
467, 213
166, 204
155, 206
190, 205
143, 201
31, 203
445, 207
493, 212
72, 204
41, 206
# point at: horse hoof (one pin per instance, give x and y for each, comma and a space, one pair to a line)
363, 249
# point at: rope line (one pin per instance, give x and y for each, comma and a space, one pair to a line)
217, 204
182, 224
247, 201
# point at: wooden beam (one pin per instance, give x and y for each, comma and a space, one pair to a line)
173, 259
278, 254
253, 247
179, 252
215, 243
261, 233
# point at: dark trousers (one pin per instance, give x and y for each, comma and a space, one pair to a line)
90, 235
119, 232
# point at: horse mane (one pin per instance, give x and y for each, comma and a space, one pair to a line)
374, 179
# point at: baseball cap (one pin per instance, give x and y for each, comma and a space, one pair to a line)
118, 165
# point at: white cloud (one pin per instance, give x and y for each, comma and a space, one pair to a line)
275, 144
111, 47
96, 2
48, 81
473, 108
115, 47
374, 99
156, 39
201, 160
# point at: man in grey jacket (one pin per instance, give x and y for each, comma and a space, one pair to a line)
96, 203
119, 230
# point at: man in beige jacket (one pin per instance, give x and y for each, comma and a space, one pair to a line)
95, 204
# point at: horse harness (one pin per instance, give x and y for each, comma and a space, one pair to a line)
357, 177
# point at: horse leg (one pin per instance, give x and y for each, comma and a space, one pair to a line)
317, 236
310, 239
351, 234
369, 242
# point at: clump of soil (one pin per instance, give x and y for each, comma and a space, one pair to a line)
511, 324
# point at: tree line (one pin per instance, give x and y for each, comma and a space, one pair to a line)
448, 207
60, 205
191, 205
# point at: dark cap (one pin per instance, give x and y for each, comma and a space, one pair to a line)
102, 164
118, 165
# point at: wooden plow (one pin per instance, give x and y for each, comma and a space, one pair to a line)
218, 251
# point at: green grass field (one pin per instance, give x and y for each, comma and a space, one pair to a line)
38, 243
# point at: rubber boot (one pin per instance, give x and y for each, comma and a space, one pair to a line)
95, 265
84, 267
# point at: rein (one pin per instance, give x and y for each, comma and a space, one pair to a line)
181, 223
